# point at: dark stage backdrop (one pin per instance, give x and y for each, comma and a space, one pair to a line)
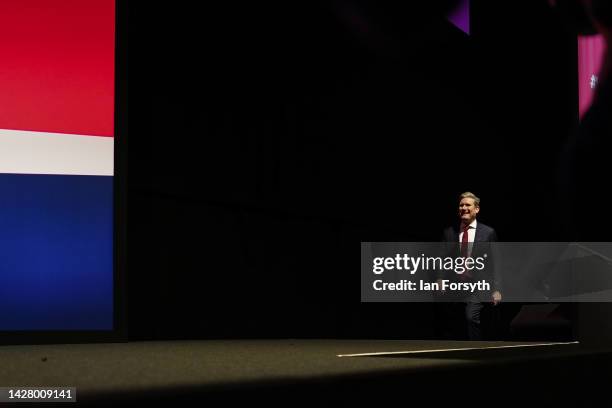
267, 141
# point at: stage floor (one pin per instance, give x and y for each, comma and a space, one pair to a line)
146, 368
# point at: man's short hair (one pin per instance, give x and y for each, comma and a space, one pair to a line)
467, 194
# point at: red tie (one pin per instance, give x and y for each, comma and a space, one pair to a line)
464, 242
464, 252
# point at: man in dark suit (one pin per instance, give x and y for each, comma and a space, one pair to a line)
472, 239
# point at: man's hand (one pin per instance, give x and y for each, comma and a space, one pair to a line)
496, 297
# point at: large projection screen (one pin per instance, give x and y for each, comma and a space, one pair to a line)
57, 166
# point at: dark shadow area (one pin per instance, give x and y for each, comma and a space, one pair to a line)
573, 380
267, 141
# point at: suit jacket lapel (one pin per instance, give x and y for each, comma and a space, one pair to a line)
478, 237
478, 234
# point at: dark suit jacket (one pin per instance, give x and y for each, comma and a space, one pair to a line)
484, 236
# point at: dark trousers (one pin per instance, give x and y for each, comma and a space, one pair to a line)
460, 319
473, 309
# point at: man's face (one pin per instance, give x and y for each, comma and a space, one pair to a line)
468, 210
